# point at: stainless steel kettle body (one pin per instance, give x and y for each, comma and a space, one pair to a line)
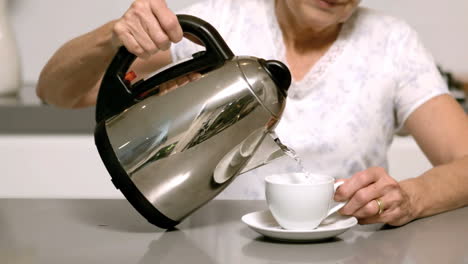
170, 154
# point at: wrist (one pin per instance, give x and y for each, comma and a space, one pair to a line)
107, 41
99, 43
415, 195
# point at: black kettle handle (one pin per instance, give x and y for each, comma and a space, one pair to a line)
116, 94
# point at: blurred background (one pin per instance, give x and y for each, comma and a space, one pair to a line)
42, 26
48, 152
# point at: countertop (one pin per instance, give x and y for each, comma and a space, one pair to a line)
110, 231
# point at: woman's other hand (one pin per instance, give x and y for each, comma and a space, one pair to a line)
375, 197
147, 27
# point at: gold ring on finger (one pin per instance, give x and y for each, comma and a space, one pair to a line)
380, 205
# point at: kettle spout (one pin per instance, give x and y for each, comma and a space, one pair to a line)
258, 149
270, 149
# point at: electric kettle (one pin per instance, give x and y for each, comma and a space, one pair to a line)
171, 153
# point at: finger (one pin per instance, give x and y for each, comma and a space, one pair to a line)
391, 209
168, 20
155, 32
369, 210
361, 198
132, 45
167, 86
372, 208
181, 81
140, 34
122, 36
386, 191
386, 217
194, 76
353, 184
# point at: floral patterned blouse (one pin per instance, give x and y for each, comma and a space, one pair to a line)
342, 116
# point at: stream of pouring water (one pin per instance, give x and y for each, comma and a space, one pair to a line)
292, 154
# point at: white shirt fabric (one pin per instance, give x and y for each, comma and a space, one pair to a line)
342, 116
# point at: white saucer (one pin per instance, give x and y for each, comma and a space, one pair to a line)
264, 223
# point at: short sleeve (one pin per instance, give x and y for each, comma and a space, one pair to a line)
418, 79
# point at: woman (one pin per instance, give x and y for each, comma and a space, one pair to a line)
359, 78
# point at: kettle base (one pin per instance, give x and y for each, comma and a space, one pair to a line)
122, 181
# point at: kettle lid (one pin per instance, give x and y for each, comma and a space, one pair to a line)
279, 73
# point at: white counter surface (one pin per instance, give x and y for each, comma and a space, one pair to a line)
110, 231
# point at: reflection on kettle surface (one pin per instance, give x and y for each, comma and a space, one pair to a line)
146, 150
211, 123
193, 136
167, 249
161, 150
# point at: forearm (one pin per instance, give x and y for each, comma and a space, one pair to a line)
76, 68
440, 189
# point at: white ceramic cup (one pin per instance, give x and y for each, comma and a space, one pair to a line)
298, 203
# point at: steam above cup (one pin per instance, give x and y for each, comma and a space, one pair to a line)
298, 202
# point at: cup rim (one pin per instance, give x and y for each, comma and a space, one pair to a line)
326, 179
